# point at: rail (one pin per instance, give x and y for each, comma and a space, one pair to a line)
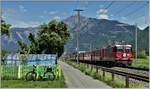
122, 73
137, 68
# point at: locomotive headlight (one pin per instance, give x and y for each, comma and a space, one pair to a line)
124, 54
129, 55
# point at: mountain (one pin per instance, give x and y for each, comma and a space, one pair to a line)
16, 34
95, 32
98, 33
143, 39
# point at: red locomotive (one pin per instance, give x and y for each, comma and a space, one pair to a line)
116, 54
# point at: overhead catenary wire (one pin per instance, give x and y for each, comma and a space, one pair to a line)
106, 8
105, 4
133, 12
124, 9
130, 13
146, 15
109, 5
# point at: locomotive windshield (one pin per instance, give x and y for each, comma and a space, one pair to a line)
122, 49
118, 49
128, 49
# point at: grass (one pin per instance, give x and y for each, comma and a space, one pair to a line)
141, 63
11, 71
33, 84
10, 80
118, 82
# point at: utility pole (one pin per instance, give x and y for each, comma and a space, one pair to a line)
90, 47
136, 41
78, 15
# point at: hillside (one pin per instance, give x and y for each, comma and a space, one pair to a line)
96, 32
143, 39
99, 33
10, 43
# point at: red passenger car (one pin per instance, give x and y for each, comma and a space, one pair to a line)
116, 54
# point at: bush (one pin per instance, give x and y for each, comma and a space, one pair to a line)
142, 54
118, 81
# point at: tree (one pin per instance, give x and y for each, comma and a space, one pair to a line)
5, 28
34, 47
24, 49
48, 43
58, 27
53, 36
142, 54
23, 52
147, 52
50, 39
31, 37
23, 58
4, 55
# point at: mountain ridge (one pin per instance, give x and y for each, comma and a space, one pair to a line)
95, 32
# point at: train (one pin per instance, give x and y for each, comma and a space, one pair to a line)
110, 55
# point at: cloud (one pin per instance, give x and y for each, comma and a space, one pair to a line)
23, 24
142, 22
57, 18
42, 17
102, 14
64, 13
124, 18
52, 12
22, 8
102, 17
102, 11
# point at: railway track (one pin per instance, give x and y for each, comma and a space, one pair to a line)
132, 71
129, 73
136, 68
127, 67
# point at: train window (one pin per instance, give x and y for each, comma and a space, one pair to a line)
128, 50
119, 50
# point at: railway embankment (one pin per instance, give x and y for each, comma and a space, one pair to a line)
116, 80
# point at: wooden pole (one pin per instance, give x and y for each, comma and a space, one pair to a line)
127, 81
112, 74
103, 73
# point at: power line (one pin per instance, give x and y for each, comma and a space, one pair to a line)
106, 8
145, 14
105, 3
133, 12
124, 9
109, 5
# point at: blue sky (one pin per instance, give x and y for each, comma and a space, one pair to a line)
31, 13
